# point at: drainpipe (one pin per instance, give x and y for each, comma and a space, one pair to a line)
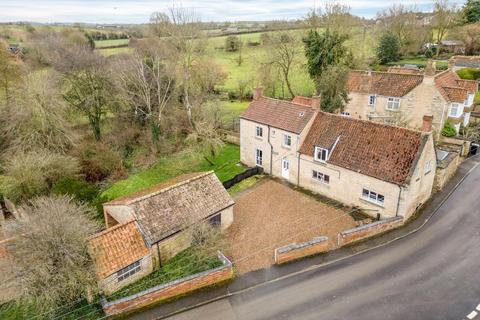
271, 151
398, 203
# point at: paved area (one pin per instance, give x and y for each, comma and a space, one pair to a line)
271, 215
429, 274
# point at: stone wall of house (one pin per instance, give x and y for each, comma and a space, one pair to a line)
425, 99
368, 230
421, 182
249, 143
169, 290
346, 186
446, 171
110, 284
227, 218
296, 251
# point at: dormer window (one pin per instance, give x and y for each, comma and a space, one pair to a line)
321, 154
393, 104
259, 132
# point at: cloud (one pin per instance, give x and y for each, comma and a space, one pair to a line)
138, 11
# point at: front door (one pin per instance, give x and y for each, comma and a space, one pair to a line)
285, 168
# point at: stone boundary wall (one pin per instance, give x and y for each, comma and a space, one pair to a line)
170, 290
296, 251
368, 230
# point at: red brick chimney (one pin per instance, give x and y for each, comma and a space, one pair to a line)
427, 123
316, 102
257, 93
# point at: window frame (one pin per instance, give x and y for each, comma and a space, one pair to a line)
259, 158
320, 177
459, 110
391, 102
287, 137
370, 103
428, 167
129, 271
258, 129
345, 114
316, 151
373, 197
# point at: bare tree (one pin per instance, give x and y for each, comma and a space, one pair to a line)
333, 16
49, 256
445, 15
283, 53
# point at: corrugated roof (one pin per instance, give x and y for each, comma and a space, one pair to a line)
280, 114
385, 152
116, 247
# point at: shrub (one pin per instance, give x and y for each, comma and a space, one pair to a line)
232, 44
449, 130
79, 189
469, 74
98, 161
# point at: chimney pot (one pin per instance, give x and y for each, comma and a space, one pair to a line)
427, 123
257, 93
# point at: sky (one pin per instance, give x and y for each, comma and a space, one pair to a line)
138, 11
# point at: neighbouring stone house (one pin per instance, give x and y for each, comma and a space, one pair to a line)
451, 46
145, 229
403, 98
385, 170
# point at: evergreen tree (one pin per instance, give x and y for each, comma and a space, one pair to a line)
471, 11
388, 49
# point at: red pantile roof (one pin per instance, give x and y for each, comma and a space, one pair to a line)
383, 83
454, 89
305, 101
116, 247
385, 152
284, 115
404, 70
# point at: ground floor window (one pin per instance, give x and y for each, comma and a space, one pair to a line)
216, 220
259, 157
324, 178
373, 197
128, 271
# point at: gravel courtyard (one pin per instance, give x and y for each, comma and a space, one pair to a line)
270, 215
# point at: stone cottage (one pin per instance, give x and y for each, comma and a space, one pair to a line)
385, 170
145, 229
403, 98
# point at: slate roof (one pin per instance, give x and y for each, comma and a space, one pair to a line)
452, 43
383, 83
116, 248
166, 208
466, 61
281, 114
454, 89
378, 150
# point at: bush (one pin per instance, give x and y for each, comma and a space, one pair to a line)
79, 189
98, 161
388, 49
449, 130
232, 44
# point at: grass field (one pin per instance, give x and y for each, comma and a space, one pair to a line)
421, 62
112, 51
225, 167
231, 110
110, 43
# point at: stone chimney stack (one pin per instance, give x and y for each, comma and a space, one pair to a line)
427, 123
431, 68
316, 102
257, 93
451, 62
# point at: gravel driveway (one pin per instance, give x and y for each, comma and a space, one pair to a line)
270, 215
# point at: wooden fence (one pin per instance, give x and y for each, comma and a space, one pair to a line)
242, 176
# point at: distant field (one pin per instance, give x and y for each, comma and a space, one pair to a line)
111, 51
110, 43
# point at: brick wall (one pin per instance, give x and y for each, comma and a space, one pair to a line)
296, 251
368, 230
169, 290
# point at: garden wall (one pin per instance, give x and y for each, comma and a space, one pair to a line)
170, 290
368, 230
296, 251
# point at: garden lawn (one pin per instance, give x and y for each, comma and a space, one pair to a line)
182, 265
112, 51
231, 110
225, 164
420, 62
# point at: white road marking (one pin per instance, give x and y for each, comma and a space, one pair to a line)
478, 307
472, 315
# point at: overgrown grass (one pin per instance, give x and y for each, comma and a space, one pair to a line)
469, 74
244, 185
112, 51
225, 165
110, 43
232, 110
26, 309
182, 265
